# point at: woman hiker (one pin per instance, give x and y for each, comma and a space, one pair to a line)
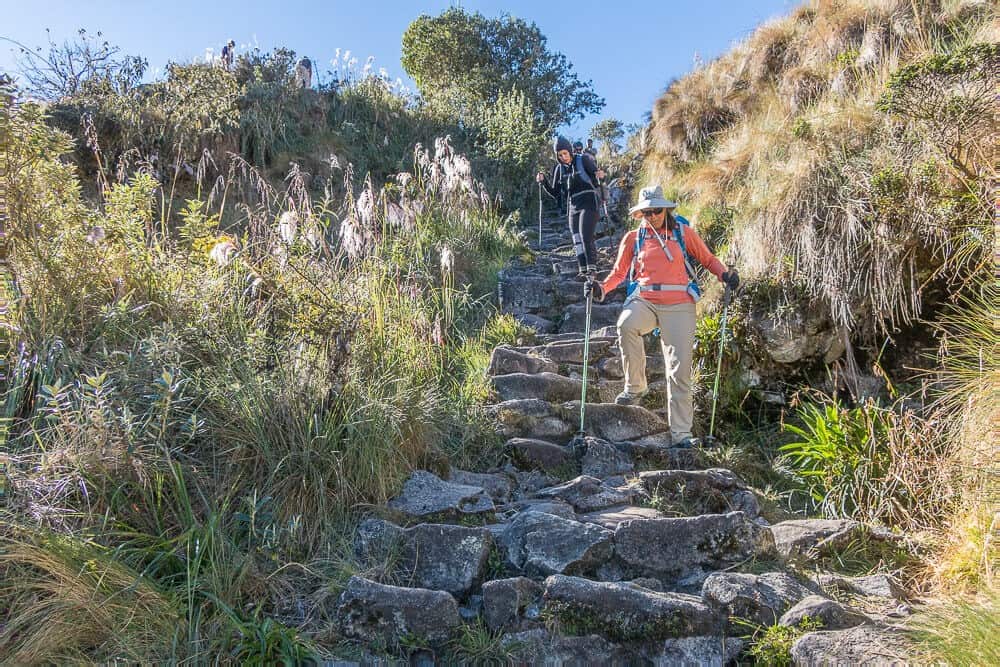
662, 298
576, 177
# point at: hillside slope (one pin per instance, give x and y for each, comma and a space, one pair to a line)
845, 154
844, 157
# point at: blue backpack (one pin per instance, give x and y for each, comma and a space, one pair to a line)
693, 288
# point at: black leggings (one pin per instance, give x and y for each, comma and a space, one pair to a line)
582, 225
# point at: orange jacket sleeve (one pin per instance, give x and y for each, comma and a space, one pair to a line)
626, 249
697, 249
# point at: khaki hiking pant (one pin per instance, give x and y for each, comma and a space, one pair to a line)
676, 322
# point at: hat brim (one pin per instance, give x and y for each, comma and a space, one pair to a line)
643, 204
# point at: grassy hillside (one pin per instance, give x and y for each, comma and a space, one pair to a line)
844, 157
212, 360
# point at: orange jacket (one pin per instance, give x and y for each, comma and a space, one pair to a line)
653, 267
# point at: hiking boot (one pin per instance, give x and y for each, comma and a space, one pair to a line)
687, 443
630, 398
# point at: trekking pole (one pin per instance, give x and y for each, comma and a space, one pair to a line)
586, 361
726, 297
539, 216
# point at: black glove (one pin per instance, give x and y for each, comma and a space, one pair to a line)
731, 278
592, 287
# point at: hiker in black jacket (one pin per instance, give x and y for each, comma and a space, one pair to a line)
576, 177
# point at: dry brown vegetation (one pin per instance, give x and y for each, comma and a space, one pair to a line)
851, 147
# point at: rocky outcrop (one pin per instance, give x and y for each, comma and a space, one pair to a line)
540, 544
435, 556
426, 496
861, 645
624, 612
761, 599
370, 611
831, 615
686, 549
712, 491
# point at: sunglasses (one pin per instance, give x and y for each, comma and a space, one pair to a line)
651, 211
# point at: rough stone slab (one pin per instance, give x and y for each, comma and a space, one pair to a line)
586, 493
832, 614
371, 611
602, 459
541, 544
555, 507
601, 315
521, 293
504, 601
657, 450
861, 645
873, 585
620, 611
611, 367
705, 651
679, 548
616, 422
761, 599
574, 336
712, 491
498, 486
427, 495
539, 324
526, 482
613, 517
539, 647
536, 454
434, 556
505, 360
571, 352
531, 418
801, 536
546, 386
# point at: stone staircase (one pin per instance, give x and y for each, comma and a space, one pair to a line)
613, 548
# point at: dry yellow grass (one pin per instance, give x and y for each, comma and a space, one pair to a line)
860, 210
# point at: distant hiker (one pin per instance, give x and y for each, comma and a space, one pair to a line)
662, 293
303, 73
590, 150
228, 51
576, 177
577, 147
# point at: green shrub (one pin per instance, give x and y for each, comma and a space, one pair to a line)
772, 645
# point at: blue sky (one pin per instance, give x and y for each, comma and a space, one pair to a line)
629, 49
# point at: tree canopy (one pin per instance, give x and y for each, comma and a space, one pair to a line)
461, 61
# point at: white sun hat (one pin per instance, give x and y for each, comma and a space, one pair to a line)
651, 196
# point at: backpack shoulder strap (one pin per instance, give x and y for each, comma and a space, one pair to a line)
580, 168
679, 235
640, 238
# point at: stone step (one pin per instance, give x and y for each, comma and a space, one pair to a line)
546, 386
602, 315
440, 557
540, 544
690, 492
506, 360
617, 423
427, 497
626, 612
683, 551
372, 612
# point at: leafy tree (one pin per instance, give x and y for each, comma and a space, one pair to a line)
461, 61
609, 132
511, 135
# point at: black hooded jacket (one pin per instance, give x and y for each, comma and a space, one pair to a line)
565, 176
